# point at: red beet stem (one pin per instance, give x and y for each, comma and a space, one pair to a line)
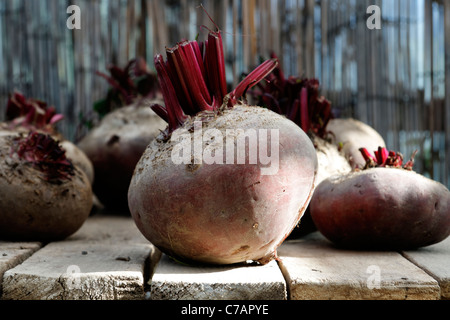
385, 158
175, 115
409, 165
116, 85
381, 155
215, 66
31, 113
261, 72
304, 112
297, 98
193, 79
366, 155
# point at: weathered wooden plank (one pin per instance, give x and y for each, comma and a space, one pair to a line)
314, 269
108, 259
435, 260
174, 281
14, 253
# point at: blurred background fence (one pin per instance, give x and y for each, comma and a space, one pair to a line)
394, 78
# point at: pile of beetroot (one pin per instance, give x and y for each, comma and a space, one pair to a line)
209, 176
216, 212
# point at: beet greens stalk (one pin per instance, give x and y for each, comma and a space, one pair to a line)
193, 80
31, 113
384, 158
297, 98
127, 84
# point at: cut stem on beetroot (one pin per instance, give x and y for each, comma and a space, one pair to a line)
31, 113
193, 80
297, 98
385, 158
45, 153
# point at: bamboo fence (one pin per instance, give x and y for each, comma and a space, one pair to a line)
394, 79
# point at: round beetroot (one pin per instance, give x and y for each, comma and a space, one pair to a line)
114, 147
382, 208
224, 213
225, 182
43, 196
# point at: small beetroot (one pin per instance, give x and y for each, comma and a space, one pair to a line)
26, 115
199, 192
384, 206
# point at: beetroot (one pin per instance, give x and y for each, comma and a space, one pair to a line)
128, 125
384, 206
43, 196
115, 146
226, 182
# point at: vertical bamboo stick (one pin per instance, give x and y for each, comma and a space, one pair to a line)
361, 110
446, 179
299, 41
310, 43
324, 42
429, 67
246, 34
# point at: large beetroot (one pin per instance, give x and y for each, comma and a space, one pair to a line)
384, 206
226, 182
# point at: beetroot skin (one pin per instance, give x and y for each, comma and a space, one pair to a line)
43, 196
382, 208
115, 146
224, 213
225, 182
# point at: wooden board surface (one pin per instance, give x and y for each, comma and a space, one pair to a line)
314, 269
105, 260
174, 281
435, 260
14, 253
109, 259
